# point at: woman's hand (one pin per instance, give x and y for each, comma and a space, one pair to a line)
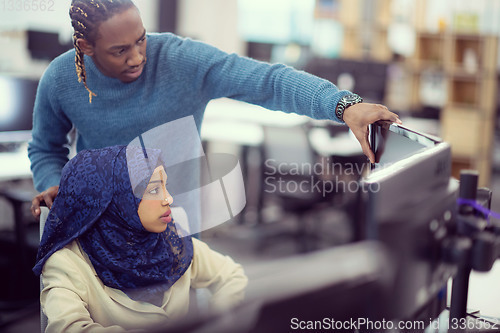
47, 197
359, 116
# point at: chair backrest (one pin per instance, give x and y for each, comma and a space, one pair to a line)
288, 160
287, 145
43, 217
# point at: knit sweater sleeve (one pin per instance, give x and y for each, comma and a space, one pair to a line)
48, 149
273, 86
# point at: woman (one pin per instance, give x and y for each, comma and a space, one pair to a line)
128, 81
111, 256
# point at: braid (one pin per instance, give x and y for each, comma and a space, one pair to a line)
80, 67
86, 16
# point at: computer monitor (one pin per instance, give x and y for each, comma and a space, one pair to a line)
17, 99
395, 272
407, 202
46, 45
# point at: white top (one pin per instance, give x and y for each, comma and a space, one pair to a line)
75, 299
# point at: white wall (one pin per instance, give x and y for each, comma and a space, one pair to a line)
55, 17
14, 56
212, 21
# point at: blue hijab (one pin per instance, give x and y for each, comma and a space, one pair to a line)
97, 205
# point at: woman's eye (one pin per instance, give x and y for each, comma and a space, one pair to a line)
155, 190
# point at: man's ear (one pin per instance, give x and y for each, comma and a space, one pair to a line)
86, 47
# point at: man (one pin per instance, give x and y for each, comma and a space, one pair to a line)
127, 82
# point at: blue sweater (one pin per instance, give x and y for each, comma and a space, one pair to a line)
180, 77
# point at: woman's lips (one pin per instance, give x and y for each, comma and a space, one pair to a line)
166, 217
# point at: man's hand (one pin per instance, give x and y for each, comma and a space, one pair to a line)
359, 116
46, 196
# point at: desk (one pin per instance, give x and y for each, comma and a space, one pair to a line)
240, 133
21, 244
224, 109
15, 166
484, 292
343, 144
482, 296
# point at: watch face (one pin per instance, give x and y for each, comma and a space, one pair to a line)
351, 98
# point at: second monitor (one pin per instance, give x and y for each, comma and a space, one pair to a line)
408, 202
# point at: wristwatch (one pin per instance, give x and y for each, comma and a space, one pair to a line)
345, 102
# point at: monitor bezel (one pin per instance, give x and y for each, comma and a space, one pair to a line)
432, 146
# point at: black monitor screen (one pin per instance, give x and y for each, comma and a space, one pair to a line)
17, 99
392, 143
46, 45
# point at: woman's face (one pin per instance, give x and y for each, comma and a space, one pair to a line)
154, 208
120, 47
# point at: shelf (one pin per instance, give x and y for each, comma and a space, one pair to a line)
473, 91
483, 166
464, 92
473, 53
429, 50
383, 12
379, 48
352, 47
351, 13
452, 71
469, 133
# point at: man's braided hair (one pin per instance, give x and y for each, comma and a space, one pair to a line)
86, 16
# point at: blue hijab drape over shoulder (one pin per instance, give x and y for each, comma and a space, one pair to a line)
96, 205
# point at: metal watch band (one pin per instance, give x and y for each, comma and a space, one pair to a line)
344, 103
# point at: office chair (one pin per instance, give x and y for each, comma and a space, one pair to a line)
288, 178
19, 287
44, 212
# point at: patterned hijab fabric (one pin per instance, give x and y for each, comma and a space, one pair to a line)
97, 205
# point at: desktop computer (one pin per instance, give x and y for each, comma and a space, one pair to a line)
394, 272
17, 99
408, 203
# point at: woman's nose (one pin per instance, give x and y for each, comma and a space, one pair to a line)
167, 198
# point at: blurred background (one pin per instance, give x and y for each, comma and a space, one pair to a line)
435, 63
